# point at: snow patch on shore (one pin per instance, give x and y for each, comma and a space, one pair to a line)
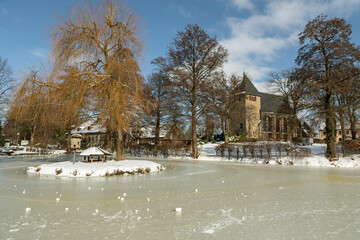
100, 169
316, 159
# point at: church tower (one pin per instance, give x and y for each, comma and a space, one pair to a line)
246, 107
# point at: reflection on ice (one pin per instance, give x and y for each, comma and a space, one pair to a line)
225, 220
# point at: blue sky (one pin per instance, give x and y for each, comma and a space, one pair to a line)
261, 35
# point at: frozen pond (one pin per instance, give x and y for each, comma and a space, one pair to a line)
232, 201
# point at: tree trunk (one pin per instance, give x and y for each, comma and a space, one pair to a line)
31, 138
330, 128
193, 133
342, 126
225, 126
68, 145
353, 127
157, 131
120, 148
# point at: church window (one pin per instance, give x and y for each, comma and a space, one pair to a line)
252, 98
278, 125
264, 124
270, 124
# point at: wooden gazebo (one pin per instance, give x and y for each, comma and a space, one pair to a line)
94, 154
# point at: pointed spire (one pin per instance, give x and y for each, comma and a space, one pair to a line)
247, 86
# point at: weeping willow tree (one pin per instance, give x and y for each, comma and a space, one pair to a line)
100, 43
28, 107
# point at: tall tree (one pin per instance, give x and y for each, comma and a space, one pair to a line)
326, 59
28, 105
6, 84
286, 84
101, 41
193, 56
158, 84
220, 95
75, 101
350, 106
2, 138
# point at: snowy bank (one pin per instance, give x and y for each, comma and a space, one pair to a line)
316, 159
98, 169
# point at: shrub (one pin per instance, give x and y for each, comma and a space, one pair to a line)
230, 149
351, 147
252, 150
261, 150
237, 152
268, 148
278, 147
221, 149
244, 148
236, 138
296, 140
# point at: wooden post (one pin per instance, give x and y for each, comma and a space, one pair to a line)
74, 156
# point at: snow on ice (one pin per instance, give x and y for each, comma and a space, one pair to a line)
109, 168
316, 159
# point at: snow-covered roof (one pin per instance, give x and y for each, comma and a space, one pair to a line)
149, 132
89, 127
94, 151
338, 126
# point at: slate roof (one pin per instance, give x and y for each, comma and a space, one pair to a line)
247, 86
269, 102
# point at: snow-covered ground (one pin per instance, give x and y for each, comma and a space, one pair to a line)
317, 158
207, 153
109, 168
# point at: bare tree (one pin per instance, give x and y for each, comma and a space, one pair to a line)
101, 42
286, 84
220, 94
193, 56
326, 59
6, 85
158, 83
348, 104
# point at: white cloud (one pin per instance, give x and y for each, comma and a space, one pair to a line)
183, 12
39, 52
243, 4
257, 40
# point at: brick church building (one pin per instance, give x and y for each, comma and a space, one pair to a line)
259, 115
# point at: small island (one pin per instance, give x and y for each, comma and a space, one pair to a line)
96, 169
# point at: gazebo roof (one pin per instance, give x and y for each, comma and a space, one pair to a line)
94, 151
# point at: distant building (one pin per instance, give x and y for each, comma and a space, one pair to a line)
260, 116
338, 132
168, 133
93, 134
